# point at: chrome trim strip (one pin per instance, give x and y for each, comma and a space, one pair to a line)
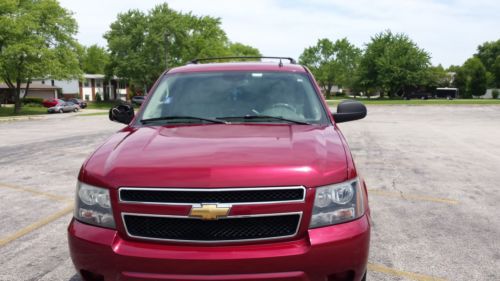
212, 190
215, 241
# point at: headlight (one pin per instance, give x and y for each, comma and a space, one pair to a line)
337, 203
93, 206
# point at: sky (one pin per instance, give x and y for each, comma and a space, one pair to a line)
450, 30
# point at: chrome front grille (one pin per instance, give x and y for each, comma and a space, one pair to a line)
179, 196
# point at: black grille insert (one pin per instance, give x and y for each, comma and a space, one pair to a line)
227, 229
250, 195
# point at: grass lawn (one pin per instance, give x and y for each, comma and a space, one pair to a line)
101, 105
386, 101
25, 110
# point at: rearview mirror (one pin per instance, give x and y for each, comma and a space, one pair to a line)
122, 113
349, 110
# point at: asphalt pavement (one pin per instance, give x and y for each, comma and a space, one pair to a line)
432, 171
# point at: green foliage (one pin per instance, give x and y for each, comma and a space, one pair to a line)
139, 42
495, 70
393, 63
453, 68
94, 59
26, 110
489, 54
495, 93
33, 101
241, 50
471, 78
98, 97
437, 76
332, 63
36, 40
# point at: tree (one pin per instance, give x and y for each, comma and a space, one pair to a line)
471, 78
240, 50
393, 63
332, 63
477, 79
495, 70
94, 60
436, 76
36, 40
142, 45
489, 54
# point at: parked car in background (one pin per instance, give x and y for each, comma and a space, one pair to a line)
51, 102
63, 107
138, 99
80, 102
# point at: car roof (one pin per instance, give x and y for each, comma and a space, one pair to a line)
238, 66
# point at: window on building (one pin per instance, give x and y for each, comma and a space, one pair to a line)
98, 83
52, 82
86, 83
43, 81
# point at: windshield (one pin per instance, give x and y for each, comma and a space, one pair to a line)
250, 97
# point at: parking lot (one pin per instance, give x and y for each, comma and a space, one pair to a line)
433, 174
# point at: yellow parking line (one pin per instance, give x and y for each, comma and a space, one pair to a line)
36, 225
410, 275
412, 197
36, 192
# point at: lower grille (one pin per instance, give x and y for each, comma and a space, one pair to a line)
231, 229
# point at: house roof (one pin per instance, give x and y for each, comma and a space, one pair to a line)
33, 87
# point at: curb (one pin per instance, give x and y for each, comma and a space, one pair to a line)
21, 118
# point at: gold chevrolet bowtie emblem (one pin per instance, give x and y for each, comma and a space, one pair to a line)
209, 211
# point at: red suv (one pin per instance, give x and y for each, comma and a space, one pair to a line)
229, 171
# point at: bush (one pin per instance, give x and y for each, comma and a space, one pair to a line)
495, 93
32, 101
98, 97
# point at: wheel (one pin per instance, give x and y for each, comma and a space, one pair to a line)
75, 110
61, 111
364, 277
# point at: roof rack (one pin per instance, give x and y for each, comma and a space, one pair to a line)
196, 61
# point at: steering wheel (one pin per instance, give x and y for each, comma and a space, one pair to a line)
284, 106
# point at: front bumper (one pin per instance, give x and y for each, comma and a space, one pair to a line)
329, 253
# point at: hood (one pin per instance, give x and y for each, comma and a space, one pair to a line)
219, 155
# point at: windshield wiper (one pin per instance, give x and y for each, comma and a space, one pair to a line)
166, 118
247, 117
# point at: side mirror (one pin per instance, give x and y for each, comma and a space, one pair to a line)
349, 110
122, 113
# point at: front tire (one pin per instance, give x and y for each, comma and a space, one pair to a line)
61, 111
